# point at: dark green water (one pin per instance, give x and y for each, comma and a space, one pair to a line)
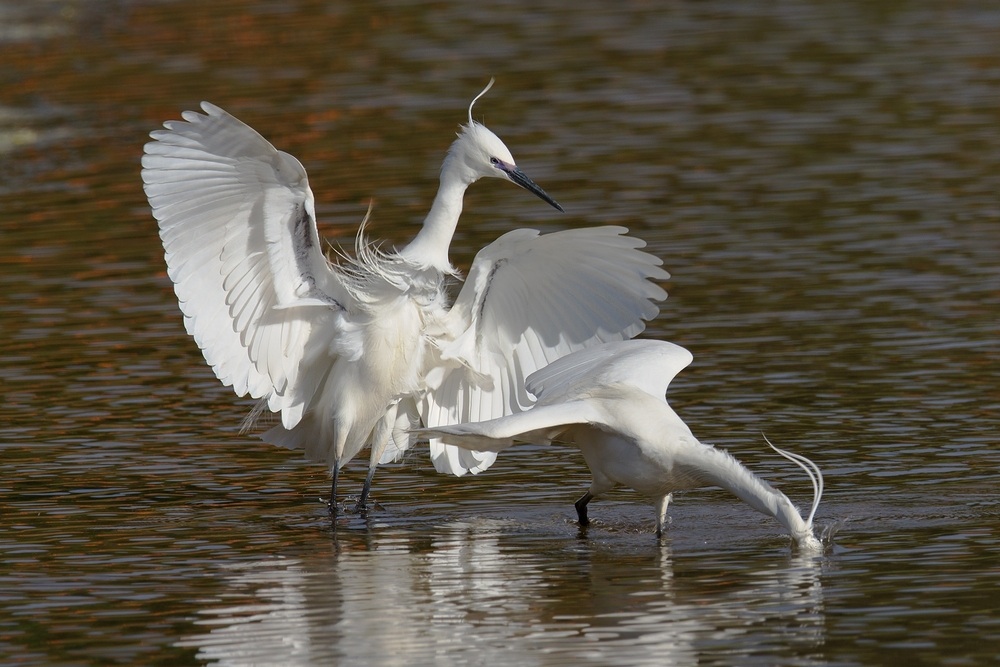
821, 180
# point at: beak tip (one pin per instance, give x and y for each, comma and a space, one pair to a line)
519, 178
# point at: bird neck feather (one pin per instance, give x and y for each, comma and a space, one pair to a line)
430, 246
720, 468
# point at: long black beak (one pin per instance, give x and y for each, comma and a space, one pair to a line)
518, 177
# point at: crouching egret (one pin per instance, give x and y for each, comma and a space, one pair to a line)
609, 400
354, 353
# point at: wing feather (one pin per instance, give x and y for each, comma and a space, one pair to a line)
579, 388
237, 222
495, 435
647, 365
530, 299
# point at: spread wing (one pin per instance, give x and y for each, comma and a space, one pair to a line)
647, 365
574, 389
537, 424
238, 225
530, 299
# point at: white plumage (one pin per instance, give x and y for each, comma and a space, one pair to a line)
354, 353
609, 401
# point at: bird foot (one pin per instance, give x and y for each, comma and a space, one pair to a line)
364, 506
331, 507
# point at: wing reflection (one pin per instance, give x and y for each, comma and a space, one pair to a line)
482, 592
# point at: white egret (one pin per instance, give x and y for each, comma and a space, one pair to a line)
354, 353
609, 401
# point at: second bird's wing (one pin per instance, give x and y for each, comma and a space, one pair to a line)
647, 365
596, 385
539, 423
238, 225
530, 299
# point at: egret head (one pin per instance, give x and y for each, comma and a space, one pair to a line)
480, 154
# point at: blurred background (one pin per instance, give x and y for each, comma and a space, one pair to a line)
819, 178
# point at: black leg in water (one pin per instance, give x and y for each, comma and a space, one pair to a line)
333, 491
581, 508
362, 506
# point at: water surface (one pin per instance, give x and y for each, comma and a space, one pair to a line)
821, 181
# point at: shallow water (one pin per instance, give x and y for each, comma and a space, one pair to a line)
821, 182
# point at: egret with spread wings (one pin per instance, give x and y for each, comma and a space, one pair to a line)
354, 353
609, 401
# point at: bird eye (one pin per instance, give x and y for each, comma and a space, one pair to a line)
495, 161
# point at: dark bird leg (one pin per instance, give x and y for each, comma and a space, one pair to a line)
333, 491
581, 508
365, 492
380, 438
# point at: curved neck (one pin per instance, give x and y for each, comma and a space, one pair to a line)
430, 246
720, 468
